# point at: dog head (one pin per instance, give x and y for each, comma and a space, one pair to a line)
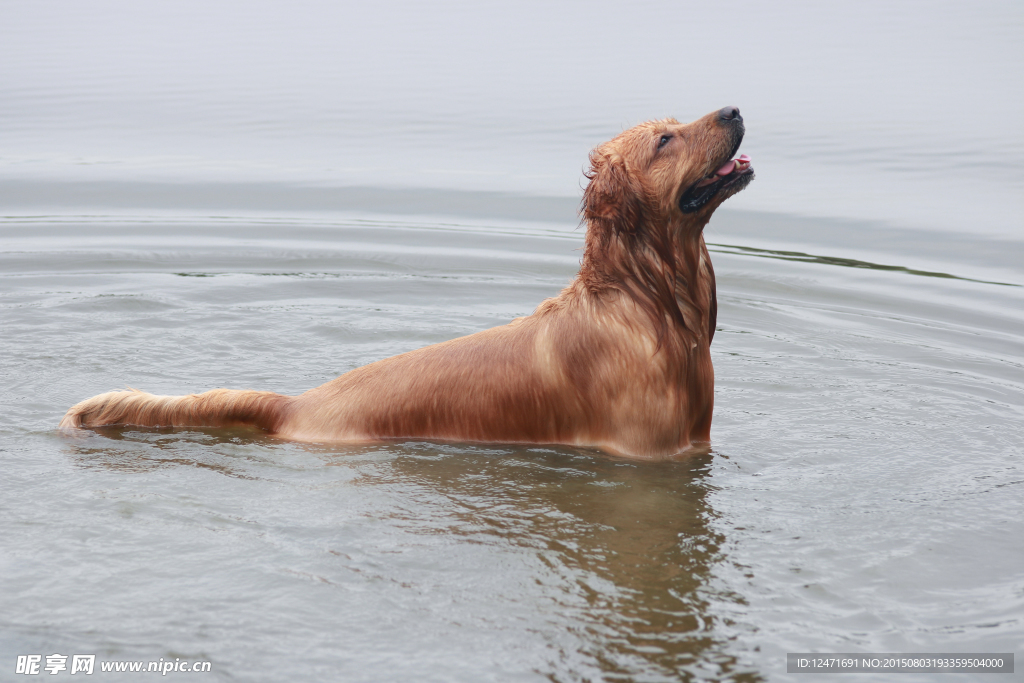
667, 171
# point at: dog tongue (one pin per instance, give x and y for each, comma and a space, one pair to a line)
727, 168
730, 166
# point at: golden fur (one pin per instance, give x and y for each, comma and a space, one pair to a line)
619, 360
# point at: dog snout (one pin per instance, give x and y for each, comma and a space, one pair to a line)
729, 114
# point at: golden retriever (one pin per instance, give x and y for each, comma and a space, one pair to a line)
619, 360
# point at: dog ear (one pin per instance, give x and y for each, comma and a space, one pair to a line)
631, 253
613, 198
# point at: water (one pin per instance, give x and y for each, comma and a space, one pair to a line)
264, 197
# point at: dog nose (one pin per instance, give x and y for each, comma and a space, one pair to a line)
729, 114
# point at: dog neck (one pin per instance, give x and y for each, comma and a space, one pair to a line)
661, 267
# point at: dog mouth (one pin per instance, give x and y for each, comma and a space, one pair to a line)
732, 175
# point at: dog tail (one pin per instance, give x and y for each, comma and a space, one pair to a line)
216, 408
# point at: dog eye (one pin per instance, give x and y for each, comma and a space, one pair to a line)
664, 141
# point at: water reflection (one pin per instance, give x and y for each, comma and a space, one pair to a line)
136, 449
631, 542
626, 553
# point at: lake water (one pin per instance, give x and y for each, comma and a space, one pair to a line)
259, 195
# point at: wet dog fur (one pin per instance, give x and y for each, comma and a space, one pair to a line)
619, 360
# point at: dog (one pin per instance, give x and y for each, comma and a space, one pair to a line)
620, 360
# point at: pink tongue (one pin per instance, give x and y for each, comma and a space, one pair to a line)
730, 166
